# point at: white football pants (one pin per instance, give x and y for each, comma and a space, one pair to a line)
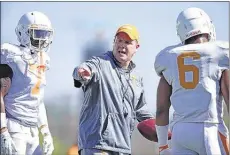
26, 139
199, 139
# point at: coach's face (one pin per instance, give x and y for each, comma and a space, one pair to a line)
124, 48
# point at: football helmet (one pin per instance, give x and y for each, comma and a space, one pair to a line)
34, 30
192, 22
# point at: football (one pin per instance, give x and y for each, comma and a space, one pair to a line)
148, 130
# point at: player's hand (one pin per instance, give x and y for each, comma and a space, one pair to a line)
48, 146
165, 150
7, 144
84, 73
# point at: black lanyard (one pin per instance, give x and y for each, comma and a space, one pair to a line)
124, 88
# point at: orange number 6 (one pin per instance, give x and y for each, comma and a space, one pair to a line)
188, 68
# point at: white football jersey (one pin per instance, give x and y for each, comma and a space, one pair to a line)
194, 72
28, 82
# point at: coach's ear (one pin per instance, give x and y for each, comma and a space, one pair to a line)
77, 84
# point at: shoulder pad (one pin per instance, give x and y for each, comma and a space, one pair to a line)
11, 49
169, 48
223, 44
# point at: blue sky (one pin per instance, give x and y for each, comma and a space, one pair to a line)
76, 22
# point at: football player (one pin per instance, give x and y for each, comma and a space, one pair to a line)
23, 80
194, 79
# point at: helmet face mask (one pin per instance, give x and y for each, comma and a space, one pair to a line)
40, 38
34, 30
192, 22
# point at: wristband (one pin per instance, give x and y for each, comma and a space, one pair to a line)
3, 120
162, 134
